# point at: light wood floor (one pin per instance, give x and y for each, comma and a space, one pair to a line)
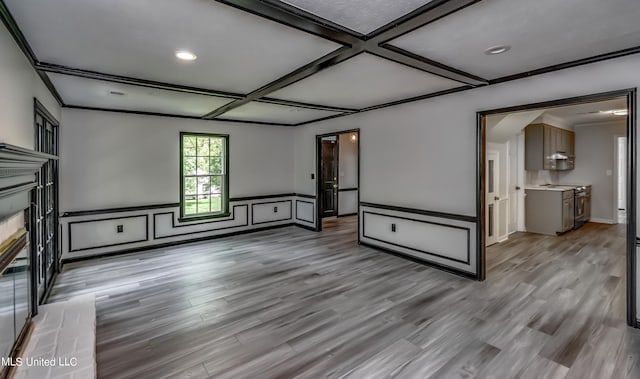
292, 303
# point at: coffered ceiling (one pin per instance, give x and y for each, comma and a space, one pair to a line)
292, 62
363, 81
540, 33
361, 16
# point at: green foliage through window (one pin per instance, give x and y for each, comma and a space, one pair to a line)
204, 165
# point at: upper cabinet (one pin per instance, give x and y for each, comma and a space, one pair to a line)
549, 148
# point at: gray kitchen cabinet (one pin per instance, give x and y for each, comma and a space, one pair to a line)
549, 211
548, 148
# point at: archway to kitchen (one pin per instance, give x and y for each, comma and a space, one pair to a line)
548, 209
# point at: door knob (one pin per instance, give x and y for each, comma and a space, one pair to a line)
496, 198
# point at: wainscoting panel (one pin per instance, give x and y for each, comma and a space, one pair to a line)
107, 232
95, 232
271, 211
427, 236
167, 225
305, 211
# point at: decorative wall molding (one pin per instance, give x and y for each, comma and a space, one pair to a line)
92, 247
445, 241
18, 167
450, 216
466, 229
161, 226
313, 216
176, 224
276, 211
118, 210
17, 161
306, 196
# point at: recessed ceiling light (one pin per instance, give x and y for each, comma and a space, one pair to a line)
116, 93
186, 55
495, 50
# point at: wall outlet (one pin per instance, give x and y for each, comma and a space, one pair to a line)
120, 228
393, 228
275, 209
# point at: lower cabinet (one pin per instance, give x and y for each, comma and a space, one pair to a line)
549, 211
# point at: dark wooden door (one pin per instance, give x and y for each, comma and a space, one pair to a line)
45, 213
329, 166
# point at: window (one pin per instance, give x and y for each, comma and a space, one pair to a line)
204, 175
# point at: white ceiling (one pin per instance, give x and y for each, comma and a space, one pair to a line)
237, 51
363, 16
588, 113
96, 93
501, 127
275, 113
541, 33
362, 81
240, 52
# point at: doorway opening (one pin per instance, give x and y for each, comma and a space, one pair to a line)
556, 198
338, 178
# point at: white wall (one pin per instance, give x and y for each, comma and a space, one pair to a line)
19, 84
348, 174
427, 149
594, 157
116, 160
348, 161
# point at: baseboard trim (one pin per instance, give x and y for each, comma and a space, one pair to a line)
170, 244
348, 214
450, 270
602, 221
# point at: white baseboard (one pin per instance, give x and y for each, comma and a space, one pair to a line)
602, 220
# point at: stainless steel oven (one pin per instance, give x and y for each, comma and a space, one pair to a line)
581, 204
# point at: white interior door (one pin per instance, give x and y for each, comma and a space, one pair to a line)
520, 183
492, 198
512, 174
622, 173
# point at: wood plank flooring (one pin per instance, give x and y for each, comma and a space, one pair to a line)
290, 303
